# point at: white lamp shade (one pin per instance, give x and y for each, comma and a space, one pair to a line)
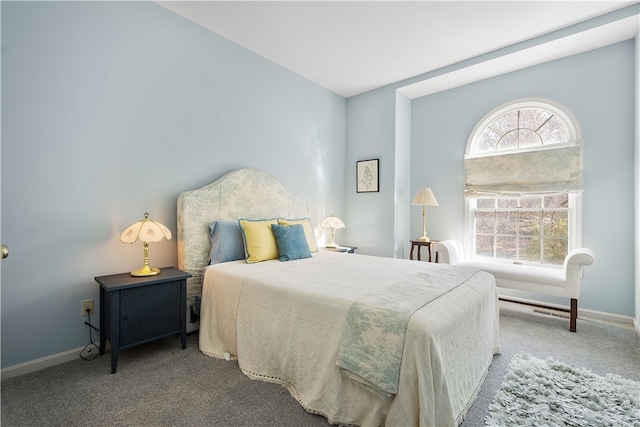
146, 231
332, 222
425, 197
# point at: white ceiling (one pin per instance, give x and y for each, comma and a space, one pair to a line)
350, 47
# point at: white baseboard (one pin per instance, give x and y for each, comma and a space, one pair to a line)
636, 326
609, 317
42, 363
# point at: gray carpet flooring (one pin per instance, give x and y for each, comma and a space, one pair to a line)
159, 384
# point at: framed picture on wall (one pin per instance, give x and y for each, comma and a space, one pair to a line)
367, 179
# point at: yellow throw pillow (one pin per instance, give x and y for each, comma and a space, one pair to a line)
308, 230
259, 241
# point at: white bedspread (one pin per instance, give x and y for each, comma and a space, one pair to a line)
284, 322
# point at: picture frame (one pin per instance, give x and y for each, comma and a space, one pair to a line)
367, 176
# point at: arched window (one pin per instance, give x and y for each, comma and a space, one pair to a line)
523, 184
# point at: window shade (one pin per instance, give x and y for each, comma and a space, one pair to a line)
554, 170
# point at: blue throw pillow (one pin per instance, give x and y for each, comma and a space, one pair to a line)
226, 242
292, 242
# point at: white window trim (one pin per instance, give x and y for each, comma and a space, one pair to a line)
575, 132
575, 199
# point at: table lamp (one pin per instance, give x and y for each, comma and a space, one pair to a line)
425, 198
147, 231
332, 222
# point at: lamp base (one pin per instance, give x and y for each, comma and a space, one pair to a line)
145, 271
424, 239
332, 245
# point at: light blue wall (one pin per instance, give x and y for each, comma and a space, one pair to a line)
443, 122
371, 134
110, 109
402, 197
597, 86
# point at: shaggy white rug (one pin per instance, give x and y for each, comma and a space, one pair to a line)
539, 392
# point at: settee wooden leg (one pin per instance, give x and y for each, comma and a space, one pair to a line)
573, 316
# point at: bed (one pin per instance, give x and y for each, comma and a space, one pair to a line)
358, 339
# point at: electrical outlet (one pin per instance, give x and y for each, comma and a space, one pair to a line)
86, 304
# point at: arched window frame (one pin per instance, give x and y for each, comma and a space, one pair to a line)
564, 114
575, 139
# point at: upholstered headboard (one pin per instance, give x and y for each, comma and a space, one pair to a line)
244, 193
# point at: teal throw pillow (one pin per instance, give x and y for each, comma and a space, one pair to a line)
291, 241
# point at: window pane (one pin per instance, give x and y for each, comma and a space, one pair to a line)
531, 202
509, 141
506, 247
554, 132
506, 123
506, 222
557, 201
529, 138
529, 223
530, 249
486, 203
556, 224
485, 222
532, 118
484, 246
507, 203
555, 251
488, 141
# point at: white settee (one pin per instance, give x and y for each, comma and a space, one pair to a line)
557, 282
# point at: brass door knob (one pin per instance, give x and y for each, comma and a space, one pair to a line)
5, 251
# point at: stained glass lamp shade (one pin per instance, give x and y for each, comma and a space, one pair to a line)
147, 231
332, 222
